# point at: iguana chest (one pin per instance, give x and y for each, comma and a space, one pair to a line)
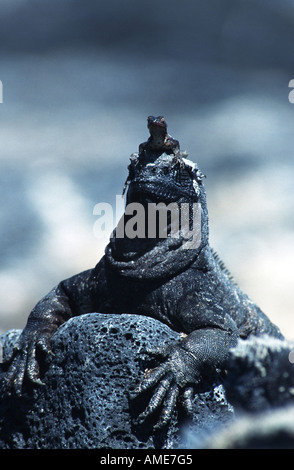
176, 302
122, 295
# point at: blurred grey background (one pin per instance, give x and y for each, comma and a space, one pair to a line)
80, 78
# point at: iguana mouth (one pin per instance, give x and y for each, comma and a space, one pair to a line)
163, 183
145, 192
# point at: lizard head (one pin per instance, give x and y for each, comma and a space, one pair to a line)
156, 125
159, 141
170, 186
167, 179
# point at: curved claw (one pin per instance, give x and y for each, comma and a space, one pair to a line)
15, 375
187, 400
174, 379
157, 397
168, 407
32, 371
44, 345
166, 394
151, 379
24, 365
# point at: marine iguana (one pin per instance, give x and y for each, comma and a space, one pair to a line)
185, 287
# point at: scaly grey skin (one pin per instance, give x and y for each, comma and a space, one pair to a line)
186, 288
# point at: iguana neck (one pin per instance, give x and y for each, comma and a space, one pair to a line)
165, 259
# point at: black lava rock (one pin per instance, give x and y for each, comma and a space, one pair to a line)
261, 374
271, 429
87, 401
260, 386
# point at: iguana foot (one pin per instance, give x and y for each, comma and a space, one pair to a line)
173, 380
24, 363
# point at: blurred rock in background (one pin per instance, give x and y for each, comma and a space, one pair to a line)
79, 80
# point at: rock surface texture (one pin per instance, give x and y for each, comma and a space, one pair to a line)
86, 401
99, 359
260, 386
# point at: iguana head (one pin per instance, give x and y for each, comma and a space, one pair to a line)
167, 179
160, 182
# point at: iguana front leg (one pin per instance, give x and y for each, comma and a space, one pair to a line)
199, 354
34, 343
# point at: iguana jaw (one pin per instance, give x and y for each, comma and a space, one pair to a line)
165, 180
145, 192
